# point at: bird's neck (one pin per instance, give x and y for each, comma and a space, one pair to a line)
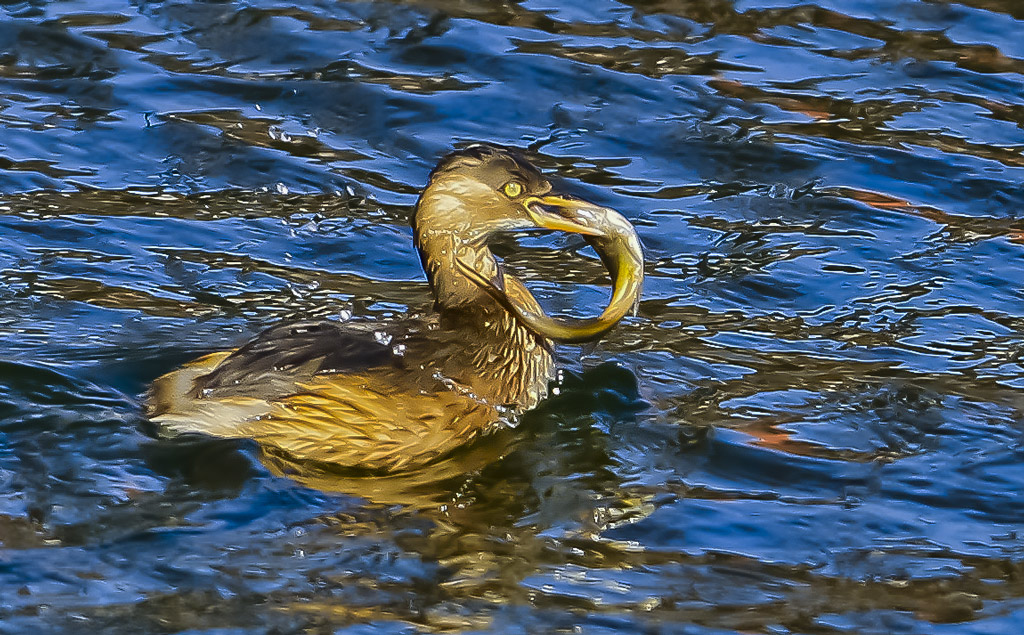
497, 357
441, 253
500, 360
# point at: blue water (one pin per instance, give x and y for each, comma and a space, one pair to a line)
814, 424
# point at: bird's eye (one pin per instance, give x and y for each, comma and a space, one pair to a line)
513, 189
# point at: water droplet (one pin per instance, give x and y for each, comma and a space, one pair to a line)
382, 337
281, 188
398, 349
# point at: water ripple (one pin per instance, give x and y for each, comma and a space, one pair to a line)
813, 424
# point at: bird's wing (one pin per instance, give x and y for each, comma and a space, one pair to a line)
324, 392
215, 393
288, 354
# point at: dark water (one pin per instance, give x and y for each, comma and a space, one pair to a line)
815, 424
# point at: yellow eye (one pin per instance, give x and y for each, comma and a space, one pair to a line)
512, 189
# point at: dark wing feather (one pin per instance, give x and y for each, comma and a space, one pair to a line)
295, 352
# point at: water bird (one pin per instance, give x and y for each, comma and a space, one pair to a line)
393, 396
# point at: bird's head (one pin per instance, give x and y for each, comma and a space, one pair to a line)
481, 190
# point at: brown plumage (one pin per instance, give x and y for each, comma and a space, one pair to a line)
339, 394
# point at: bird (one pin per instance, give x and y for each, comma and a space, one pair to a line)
391, 397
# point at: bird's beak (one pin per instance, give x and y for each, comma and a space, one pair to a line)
615, 241
571, 215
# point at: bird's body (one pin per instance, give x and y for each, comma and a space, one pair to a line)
398, 395
379, 399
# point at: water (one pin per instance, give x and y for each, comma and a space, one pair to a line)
813, 425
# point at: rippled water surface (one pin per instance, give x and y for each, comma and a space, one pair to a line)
815, 423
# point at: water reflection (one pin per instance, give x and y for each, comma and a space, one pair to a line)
813, 424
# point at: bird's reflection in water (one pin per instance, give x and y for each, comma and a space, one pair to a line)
423, 488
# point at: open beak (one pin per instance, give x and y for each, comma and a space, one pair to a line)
573, 215
618, 246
